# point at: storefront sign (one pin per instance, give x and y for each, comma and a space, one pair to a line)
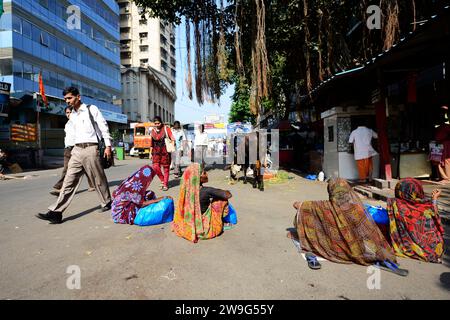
23, 133
4, 98
114, 117
238, 127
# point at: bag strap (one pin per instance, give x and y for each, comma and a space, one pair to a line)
93, 122
165, 130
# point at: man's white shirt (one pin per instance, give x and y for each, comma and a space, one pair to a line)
69, 139
362, 139
201, 139
177, 133
83, 130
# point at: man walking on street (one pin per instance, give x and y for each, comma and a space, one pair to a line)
69, 142
361, 138
85, 158
180, 140
200, 145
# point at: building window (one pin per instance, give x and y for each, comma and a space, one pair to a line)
44, 3
172, 62
44, 39
36, 33
53, 79
172, 50
163, 65
173, 73
6, 67
16, 24
17, 68
26, 29
27, 71
143, 22
143, 35
143, 48
163, 39
144, 60
125, 17
164, 53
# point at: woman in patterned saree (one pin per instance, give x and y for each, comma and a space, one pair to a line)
196, 216
132, 195
339, 229
415, 226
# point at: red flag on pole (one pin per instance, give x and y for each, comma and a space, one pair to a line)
42, 90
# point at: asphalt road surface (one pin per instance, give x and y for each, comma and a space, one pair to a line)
254, 260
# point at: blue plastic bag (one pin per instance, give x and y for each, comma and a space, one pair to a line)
379, 214
231, 216
311, 177
156, 213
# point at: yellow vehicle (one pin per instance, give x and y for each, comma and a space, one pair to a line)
142, 139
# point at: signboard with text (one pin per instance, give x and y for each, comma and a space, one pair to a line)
5, 89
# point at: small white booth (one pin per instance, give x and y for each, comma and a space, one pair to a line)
338, 123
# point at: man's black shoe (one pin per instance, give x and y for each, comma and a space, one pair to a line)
107, 207
52, 216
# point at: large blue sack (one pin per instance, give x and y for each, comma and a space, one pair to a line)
156, 213
231, 216
379, 214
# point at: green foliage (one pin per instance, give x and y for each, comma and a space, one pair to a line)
240, 110
330, 45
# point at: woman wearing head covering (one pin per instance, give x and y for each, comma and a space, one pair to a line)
339, 230
132, 195
160, 156
199, 210
415, 226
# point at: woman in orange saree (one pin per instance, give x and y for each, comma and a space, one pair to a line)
189, 222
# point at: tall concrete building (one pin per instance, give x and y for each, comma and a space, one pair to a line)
147, 93
146, 41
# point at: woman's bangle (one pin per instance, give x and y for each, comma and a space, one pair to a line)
434, 201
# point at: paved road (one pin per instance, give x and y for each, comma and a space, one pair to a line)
255, 260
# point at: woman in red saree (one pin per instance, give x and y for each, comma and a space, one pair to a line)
190, 222
160, 156
415, 226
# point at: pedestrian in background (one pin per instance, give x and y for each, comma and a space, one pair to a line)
361, 138
200, 145
180, 140
85, 156
160, 157
69, 142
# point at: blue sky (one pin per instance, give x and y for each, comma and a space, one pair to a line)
186, 110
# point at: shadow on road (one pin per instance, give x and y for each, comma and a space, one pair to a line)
445, 280
79, 215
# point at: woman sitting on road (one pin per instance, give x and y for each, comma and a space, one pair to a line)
200, 210
339, 230
132, 195
415, 226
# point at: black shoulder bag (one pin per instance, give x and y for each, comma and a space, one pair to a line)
106, 163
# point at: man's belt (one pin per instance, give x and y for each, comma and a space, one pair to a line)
85, 145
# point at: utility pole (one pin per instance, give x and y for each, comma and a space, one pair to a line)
38, 129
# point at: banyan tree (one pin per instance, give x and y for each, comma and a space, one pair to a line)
280, 50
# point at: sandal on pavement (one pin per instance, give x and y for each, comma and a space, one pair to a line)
313, 263
391, 267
